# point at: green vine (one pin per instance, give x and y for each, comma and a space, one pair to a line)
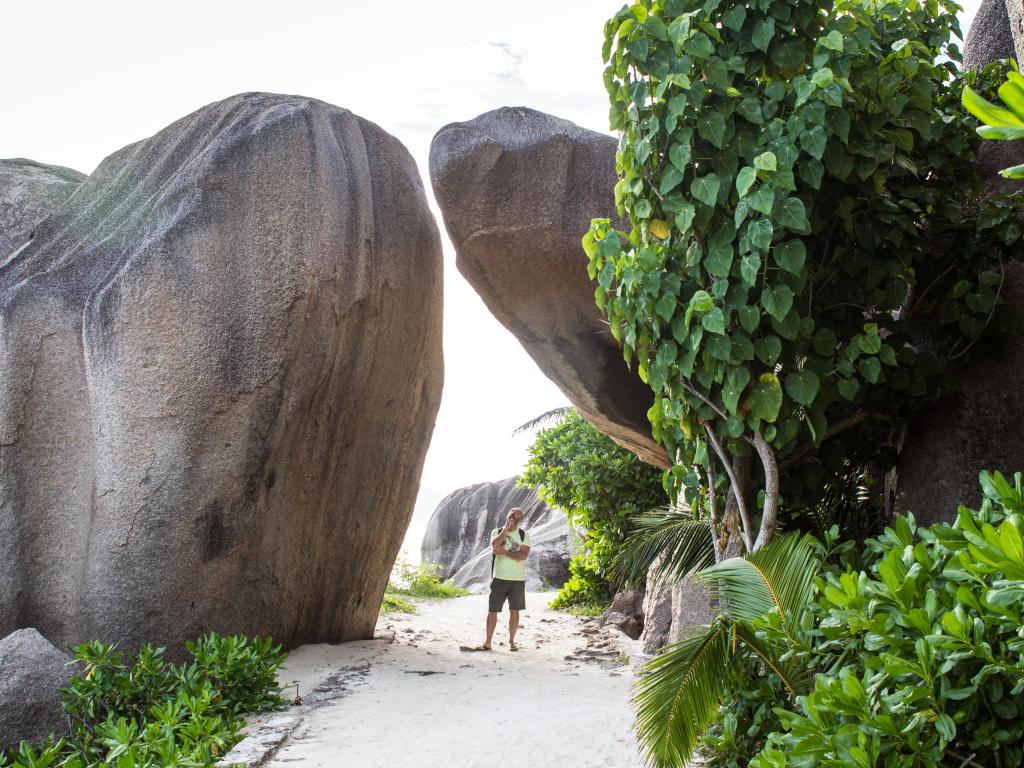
806, 263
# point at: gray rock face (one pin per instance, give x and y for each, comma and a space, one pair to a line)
626, 613
32, 673
671, 611
976, 429
518, 189
989, 38
458, 534
220, 365
29, 192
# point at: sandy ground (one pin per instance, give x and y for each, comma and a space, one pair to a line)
418, 701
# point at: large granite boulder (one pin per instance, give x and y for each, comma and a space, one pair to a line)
518, 189
32, 673
989, 37
29, 192
672, 611
220, 363
458, 534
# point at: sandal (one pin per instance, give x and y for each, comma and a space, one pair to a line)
471, 648
512, 646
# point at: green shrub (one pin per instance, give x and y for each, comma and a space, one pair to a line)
143, 711
423, 580
600, 486
915, 643
922, 652
395, 604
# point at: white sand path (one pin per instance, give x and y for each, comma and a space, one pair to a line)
532, 708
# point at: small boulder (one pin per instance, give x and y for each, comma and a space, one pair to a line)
626, 613
32, 673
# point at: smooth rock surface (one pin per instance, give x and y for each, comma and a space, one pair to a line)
29, 192
32, 673
977, 428
672, 611
220, 365
518, 189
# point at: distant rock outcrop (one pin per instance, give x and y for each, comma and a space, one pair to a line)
29, 192
518, 189
220, 363
458, 534
32, 673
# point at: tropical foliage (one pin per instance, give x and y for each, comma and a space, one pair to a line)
796, 175
143, 711
998, 123
908, 653
600, 486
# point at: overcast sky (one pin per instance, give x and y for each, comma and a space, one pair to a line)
81, 80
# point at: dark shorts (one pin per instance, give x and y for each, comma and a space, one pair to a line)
513, 591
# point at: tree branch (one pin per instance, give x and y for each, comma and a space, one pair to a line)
737, 488
832, 431
770, 511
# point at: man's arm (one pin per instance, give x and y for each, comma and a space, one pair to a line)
520, 554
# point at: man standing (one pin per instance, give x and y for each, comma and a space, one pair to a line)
511, 547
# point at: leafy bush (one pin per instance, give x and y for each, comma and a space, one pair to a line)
600, 486
916, 644
798, 178
423, 580
143, 711
394, 604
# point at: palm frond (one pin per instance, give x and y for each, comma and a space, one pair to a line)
548, 418
797, 679
778, 576
671, 540
679, 694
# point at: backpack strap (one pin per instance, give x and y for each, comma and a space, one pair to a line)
522, 540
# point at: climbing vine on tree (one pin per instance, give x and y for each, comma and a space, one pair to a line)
805, 262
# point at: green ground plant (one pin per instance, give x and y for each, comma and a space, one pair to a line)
807, 262
421, 580
600, 486
909, 652
143, 711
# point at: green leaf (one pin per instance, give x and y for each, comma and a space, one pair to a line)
760, 233
734, 17
813, 142
790, 256
764, 31
749, 317
684, 218
768, 349
735, 382
714, 321
679, 155
777, 300
670, 179
719, 259
803, 386
762, 201
988, 112
745, 180
711, 126
706, 188
791, 214
765, 398
833, 41
848, 388
701, 301
766, 161
666, 306
870, 368
750, 266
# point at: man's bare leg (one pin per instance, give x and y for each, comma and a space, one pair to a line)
492, 623
513, 625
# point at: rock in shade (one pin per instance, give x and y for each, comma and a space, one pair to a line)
518, 189
29, 192
458, 534
672, 611
977, 428
220, 364
32, 674
626, 613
